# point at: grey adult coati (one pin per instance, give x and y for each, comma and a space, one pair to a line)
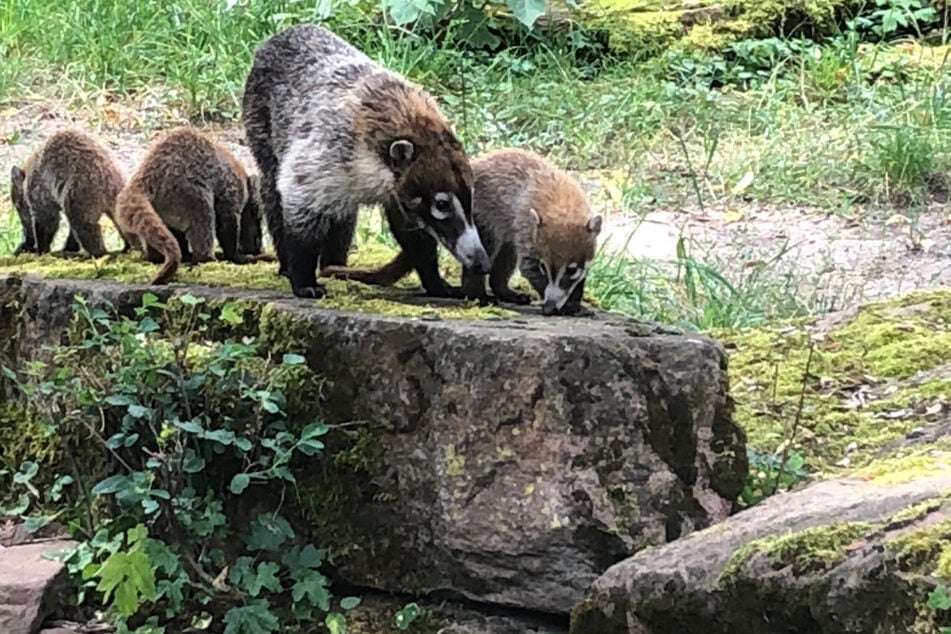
331, 130
72, 173
186, 191
531, 216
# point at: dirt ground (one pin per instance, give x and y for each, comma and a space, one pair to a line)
847, 258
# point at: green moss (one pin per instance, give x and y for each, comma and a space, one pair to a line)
925, 462
867, 378
817, 548
643, 28
342, 295
925, 549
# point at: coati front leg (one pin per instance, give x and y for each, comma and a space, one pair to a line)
339, 239
87, 232
573, 304
303, 243
502, 269
228, 228
421, 249
182, 241
72, 244
473, 287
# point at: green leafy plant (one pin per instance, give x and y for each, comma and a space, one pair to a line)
178, 521
939, 599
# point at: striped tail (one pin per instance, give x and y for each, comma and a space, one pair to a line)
387, 275
135, 215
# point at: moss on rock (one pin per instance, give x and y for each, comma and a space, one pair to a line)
871, 379
342, 295
812, 549
643, 28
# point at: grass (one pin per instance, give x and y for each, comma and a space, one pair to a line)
774, 122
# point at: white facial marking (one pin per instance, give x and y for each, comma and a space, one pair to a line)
442, 207
469, 245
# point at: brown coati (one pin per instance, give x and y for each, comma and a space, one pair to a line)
70, 172
531, 216
185, 192
330, 131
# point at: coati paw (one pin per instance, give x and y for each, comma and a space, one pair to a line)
521, 299
447, 291
310, 292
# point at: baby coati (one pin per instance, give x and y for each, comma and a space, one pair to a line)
530, 215
331, 130
73, 173
185, 192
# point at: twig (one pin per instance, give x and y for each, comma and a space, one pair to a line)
797, 418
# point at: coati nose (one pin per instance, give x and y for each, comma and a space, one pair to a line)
549, 308
481, 265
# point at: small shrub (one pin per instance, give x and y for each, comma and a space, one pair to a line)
180, 520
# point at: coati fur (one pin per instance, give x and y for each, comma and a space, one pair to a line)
531, 216
331, 131
187, 191
70, 172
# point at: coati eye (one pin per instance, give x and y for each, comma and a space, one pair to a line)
573, 271
442, 207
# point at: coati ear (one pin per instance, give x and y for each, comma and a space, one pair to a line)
17, 176
535, 217
594, 225
401, 153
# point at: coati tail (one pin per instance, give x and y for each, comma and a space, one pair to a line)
136, 215
386, 275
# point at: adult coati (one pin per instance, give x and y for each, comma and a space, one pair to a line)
70, 172
530, 215
186, 191
331, 130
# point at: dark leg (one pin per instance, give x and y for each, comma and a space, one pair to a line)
182, 243
501, 273
473, 287
420, 248
338, 242
257, 124
302, 256
72, 244
228, 228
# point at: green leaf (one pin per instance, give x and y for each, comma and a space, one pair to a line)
190, 300
137, 411
312, 587
243, 443
939, 599
336, 623
293, 359
268, 532
348, 603
265, 578
33, 524
112, 484
27, 470
406, 616
229, 314
253, 618
189, 426
21, 505
313, 431
239, 483
527, 11
221, 436
129, 575
193, 463
56, 491
302, 561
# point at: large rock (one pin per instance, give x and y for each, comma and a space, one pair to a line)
851, 555
31, 586
508, 461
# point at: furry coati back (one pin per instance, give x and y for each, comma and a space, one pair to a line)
73, 173
331, 130
530, 216
186, 191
